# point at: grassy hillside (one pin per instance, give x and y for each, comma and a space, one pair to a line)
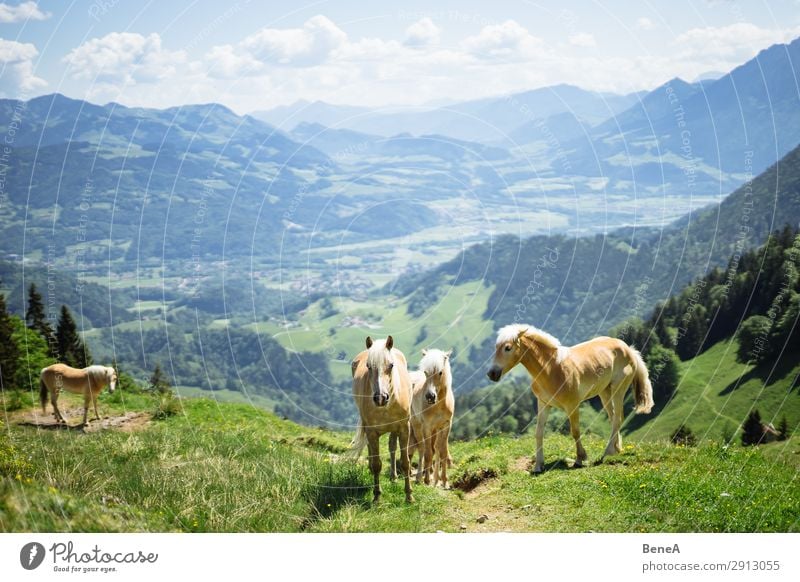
716, 393
230, 467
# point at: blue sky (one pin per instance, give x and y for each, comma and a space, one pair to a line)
252, 55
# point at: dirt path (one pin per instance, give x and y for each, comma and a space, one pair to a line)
127, 422
484, 507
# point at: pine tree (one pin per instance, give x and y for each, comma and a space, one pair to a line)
158, 381
36, 319
690, 343
684, 436
662, 333
752, 431
71, 349
783, 429
9, 352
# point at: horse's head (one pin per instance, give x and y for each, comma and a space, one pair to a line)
380, 369
436, 365
508, 351
111, 377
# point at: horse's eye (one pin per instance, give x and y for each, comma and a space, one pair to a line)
369, 367
440, 373
389, 367
508, 348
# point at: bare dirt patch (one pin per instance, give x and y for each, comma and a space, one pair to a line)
127, 422
469, 482
524, 464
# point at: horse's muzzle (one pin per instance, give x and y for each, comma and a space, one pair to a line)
431, 398
380, 399
494, 373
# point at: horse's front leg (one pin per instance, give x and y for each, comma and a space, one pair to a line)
374, 462
443, 454
575, 430
541, 420
87, 397
393, 456
403, 435
429, 452
94, 402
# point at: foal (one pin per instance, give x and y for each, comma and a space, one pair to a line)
432, 410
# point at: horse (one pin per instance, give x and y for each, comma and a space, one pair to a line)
89, 381
432, 410
382, 393
566, 376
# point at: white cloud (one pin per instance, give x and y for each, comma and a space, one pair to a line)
508, 40
318, 60
125, 57
422, 33
310, 45
734, 43
16, 69
20, 12
226, 62
644, 23
582, 39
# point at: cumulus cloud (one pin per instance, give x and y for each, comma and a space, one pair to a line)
124, 56
736, 42
16, 69
644, 23
582, 39
318, 60
306, 46
508, 40
20, 12
422, 33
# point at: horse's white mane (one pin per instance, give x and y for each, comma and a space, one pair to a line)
434, 361
97, 369
377, 354
510, 333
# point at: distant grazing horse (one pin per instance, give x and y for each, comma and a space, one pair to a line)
432, 409
88, 381
566, 376
382, 392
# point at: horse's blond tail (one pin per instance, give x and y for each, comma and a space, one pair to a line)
642, 388
359, 442
43, 393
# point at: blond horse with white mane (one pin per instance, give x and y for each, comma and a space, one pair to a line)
432, 409
88, 381
566, 376
382, 392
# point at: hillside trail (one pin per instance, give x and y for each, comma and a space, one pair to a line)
126, 422
485, 507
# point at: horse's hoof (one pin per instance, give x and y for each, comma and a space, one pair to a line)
577, 465
409, 499
538, 470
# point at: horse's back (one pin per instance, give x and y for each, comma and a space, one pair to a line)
65, 377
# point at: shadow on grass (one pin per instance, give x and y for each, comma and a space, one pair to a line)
54, 426
767, 373
337, 485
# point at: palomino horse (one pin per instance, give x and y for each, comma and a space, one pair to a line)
88, 381
566, 376
432, 409
382, 392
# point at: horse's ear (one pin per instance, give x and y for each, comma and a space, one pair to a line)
389, 343
448, 353
369, 342
522, 333
424, 352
